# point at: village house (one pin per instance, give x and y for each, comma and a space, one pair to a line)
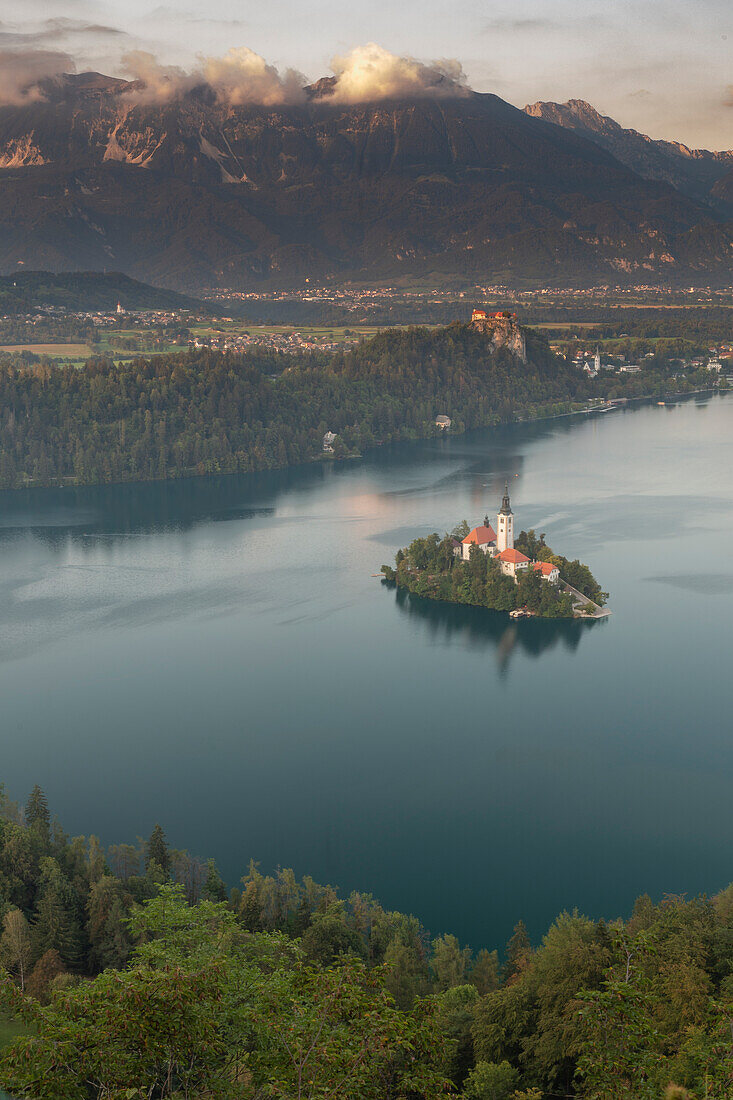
513, 561
443, 422
548, 571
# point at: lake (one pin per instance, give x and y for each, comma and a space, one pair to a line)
215, 654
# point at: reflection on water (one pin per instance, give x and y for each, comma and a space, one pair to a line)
149, 506
478, 629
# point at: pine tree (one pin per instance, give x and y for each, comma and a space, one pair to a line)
214, 887
57, 925
37, 813
518, 951
157, 850
108, 936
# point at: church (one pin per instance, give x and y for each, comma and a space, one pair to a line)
499, 544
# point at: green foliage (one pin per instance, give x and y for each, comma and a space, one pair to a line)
518, 953
286, 987
157, 850
573, 572
206, 412
57, 924
329, 937
484, 972
454, 1010
491, 1081
204, 1010
36, 812
10, 1029
450, 962
620, 1057
429, 568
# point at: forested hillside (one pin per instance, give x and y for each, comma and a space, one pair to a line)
135, 973
204, 412
24, 291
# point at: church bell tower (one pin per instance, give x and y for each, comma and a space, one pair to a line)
505, 524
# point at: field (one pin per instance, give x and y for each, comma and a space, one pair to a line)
567, 324
328, 333
56, 351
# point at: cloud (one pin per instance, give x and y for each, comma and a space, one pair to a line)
370, 73
50, 31
22, 70
366, 74
62, 26
158, 83
519, 25
166, 13
240, 77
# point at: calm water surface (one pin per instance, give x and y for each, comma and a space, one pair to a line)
215, 655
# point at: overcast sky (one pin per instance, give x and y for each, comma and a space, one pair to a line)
662, 67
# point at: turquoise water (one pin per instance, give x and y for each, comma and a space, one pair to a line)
215, 655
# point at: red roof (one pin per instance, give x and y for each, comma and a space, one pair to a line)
544, 567
513, 555
481, 535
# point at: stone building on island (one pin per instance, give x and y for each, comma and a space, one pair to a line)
499, 544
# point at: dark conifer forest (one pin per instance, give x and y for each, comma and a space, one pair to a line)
206, 412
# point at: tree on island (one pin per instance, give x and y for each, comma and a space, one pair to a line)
429, 567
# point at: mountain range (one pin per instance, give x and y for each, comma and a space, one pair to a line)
195, 193
699, 173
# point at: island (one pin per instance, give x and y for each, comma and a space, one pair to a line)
489, 568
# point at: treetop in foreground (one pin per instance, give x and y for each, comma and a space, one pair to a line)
287, 991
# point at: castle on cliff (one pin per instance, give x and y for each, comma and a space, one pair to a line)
502, 329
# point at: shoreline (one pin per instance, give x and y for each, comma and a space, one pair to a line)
603, 612
609, 404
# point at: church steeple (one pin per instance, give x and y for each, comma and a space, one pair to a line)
505, 523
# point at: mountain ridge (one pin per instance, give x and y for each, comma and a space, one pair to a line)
196, 194
695, 172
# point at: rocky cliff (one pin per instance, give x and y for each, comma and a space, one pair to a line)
504, 332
